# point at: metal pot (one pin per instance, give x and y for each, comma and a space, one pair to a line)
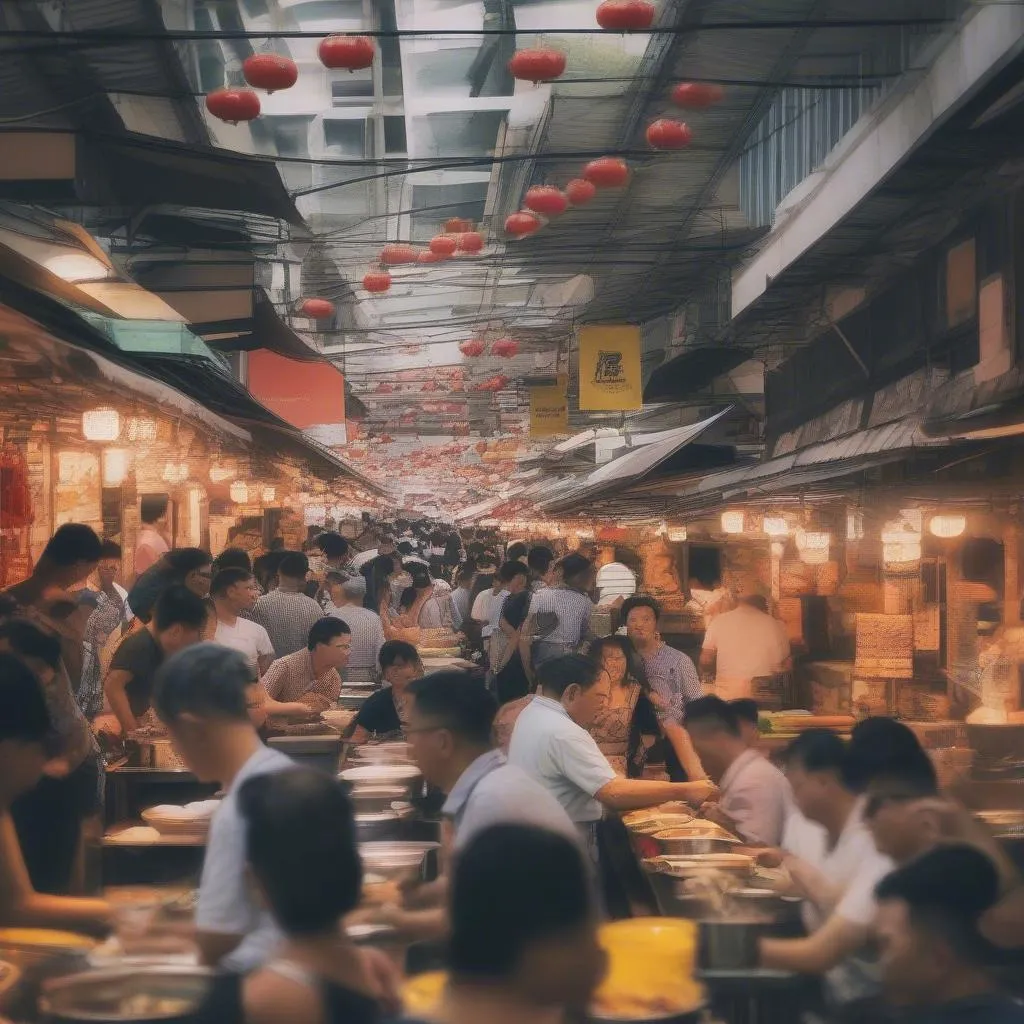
673, 844
148, 995
730, 945
159, 755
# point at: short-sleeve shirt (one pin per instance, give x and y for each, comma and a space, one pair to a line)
246, 636
493, 792
367, 634
573, 611
287, 618
673, 677
227, 903
379, 714
757, 797
291, 678
563, 757
140, 656
482, 610
748, 644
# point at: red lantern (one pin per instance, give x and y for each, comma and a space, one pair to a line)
270, 71
697, 95
537, 65
377, 281
456, 225
395, 255
470, 242
607, 172
579, 191
481, 446
668, 134
384, 388
443, 245
625, 15
233, 105
317, 309
347, 53
545, 199
429, 257
505, 348
521, 224
472, 348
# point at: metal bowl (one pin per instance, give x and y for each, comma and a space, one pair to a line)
395, 861
764, 904
406, 776
685, 842
736, 864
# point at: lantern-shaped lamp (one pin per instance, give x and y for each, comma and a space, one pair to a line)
101, 425
947, 527
239, 492
776, 527
733, 522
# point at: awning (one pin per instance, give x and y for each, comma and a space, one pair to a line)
692, 370
267, 330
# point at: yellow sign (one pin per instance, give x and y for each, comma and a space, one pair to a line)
549, 409
610, 377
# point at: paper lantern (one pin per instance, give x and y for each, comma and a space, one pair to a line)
270, 71
239, 492
443, 245
470, 241
505, 348
317, 309
429, 257
347, 53
607, 172
733, 522
947, 527
395, 255
546, 200
521, 224
579, 191
625, 15
233, 105
377, 281
101, 425
541, 65
697, 95
472, 348
776, 527
457, 225
668, 134
268, 494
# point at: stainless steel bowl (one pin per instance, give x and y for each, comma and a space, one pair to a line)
673, 842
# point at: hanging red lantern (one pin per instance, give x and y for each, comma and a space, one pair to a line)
384, 388
537, 65
317, 309
443, 245
668, 134
233, 105
625, 15
472, 348
270, 71
395, 255
377, 281
505, 348
470, 242
521, 224
579, 191
607, 172
429, 385
347, 53
429, 257
456, 225
545, 199
697, 95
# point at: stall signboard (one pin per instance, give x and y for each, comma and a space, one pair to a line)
549, 409
610, 376
305, 394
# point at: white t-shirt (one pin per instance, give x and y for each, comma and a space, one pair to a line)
482, 609
854, 865
748, 644
246, 636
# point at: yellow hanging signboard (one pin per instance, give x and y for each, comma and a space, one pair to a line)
549, 409
610, 376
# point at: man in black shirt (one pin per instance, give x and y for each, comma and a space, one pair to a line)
383, 714
178, 620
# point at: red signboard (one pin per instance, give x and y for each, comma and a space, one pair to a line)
304, 394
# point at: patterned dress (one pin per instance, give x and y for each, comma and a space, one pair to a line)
107, 617
613, 726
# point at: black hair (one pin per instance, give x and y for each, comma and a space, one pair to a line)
556, 675
397, 652
899, 787
575, 565
884, 747
639, 601
946, 891
465, 574
227, 578
178, 606
326, 630
539, 559
182, 561
819, 750
510, 570
746, 710
404, 547
73, 543
635, 665
206, 680
23, 713
27, 640
420, 575
332, 544
232, 558
516, 551
532, 880
293, 564
8, 606
110, 549
458, 701
714, 712
301, 844
378, 587
153, 507
407, 599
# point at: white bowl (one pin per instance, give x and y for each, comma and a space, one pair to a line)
381, 774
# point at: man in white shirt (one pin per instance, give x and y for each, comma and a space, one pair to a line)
839, 883
550, 742
755, 796
743, 645
235, 591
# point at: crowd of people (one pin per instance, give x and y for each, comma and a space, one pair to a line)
536, 752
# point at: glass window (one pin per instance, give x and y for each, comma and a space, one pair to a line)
394, 136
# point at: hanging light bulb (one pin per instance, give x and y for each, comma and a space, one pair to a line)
733, 522
947, 527
101, 425
776, 527
239, 493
